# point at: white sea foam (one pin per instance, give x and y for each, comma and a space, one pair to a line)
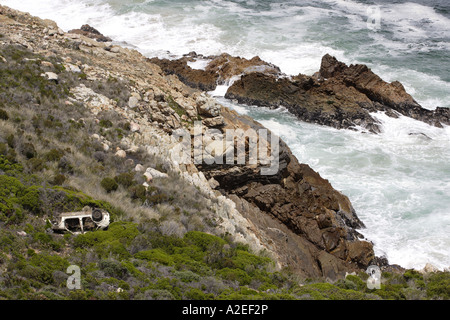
199, 64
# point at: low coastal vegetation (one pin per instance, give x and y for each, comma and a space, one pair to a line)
162, 243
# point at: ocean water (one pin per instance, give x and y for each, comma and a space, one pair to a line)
398, 181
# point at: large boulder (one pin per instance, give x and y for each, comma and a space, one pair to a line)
91, 32
227, 67
195, 78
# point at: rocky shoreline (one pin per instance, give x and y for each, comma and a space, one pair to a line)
295, 215
338, 95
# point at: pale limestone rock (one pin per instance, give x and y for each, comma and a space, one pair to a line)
47, 64
134, 127
129, 162
429, 268
133, 102
156, 174
96, 102
72, 68
115, 49
213, 183
148, 176
121, 153
105, 147
210, 108
214, 122
158, 95
158, 117
136, 95
139, 168
51, 76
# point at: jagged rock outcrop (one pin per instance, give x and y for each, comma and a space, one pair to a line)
90, 32
332, 105
384, 96
195, 78
227, 67
219, 70
338, 95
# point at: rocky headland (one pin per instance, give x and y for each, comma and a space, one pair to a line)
337, 95
295, 215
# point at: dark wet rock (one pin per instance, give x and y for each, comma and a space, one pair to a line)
195, 78
338, 95
91, 32
331, 104
227, 66
219, 70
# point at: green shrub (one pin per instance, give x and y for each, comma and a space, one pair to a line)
328, 291
238, 275
9, 167
54, 155
3, 149
355, 283
196, 294
10, 140
168, 243
109, 184
203, 240
30, 200
3, 115
59, 179
155, 255
121, 231
104, 123
118, 283
138, 192
36, 164
391, 292
46, 241
412, 275
159, 294
125, 179
113, 268
28, 150
438, 285
186, 262
47, 264
245, 260
14, 197
186, 276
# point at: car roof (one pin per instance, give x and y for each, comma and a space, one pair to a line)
75, 214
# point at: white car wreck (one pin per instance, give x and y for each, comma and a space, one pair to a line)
90, 219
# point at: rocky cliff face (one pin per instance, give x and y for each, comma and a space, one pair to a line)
295, 209
294, 214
